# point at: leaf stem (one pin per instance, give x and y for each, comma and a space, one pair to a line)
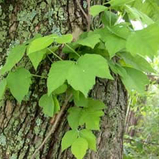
72, 50
49, 58
55, 54
34, 75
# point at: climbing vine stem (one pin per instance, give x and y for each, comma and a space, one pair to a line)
56, 122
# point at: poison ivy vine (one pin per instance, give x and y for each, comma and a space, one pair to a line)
115, 45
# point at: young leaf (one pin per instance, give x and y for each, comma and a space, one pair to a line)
91, 40
144, 42
36, 57
64, 39
91, 118
19, 82
79, 148
69, 138
58, 74
14, 57
82, 75
41, 43
96, 9
74, 117
90, 137
47, 103
56, 105
3, 85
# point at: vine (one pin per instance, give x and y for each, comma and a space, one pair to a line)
91, 56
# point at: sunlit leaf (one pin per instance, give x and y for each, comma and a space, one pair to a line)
41, 43
79, 148
69, 138
64, 39
36, 57
58, 74
90, 137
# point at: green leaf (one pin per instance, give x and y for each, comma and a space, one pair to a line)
3, 85
36, 57
58, 74
96, 9
64, 39
47, 103
15, 55
114, 35
56, 104
91, 40
69, 138
82, 75
109, 18
79, 99
91, 118
134, 79
119, 44
35, 37
74, 117
90, 137
41, 43
19, 82
79, 148
60, 89
81, 79
149, 7
119, 3
144, 42
137, 62
90, 114
135, 14
95, 104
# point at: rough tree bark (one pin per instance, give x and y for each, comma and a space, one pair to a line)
23, 127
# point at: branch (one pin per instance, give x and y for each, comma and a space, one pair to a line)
89, 16
57, 119
84, 13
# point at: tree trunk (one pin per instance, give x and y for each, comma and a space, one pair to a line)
24, 127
